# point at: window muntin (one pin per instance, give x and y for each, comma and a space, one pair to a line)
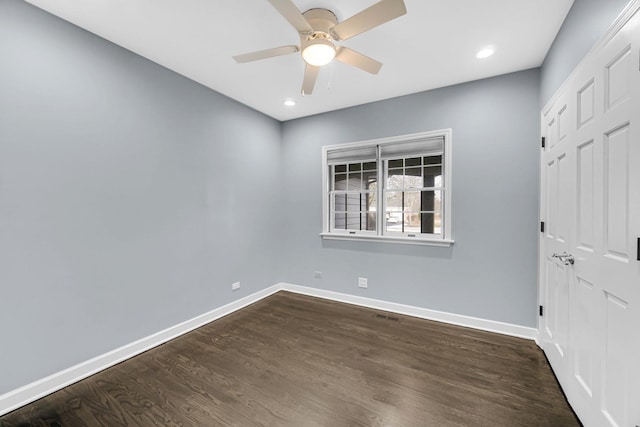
392, 189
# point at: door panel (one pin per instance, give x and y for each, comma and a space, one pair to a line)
561, 297
585, 205
615, 363
552, 200
616, 190
563, 123
618, 78
584, 351
586, 103
564, 199
549, 302
552, 133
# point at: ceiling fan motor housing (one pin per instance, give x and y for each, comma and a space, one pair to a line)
320, 43
322, 21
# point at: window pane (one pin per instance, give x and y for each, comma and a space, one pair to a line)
353, 221
412, 222
339, 202
427, 222
414, 161
355, 181
393, 221
393, 214
395, 163
413, 178
413, 171
368, 178
340, 181
437, 223
341, 168
394, 200
431, 222
353, 202
369, 202
432, 160
369, 166
430, 201
354, 167
432, 176
371, 220
412, 200
340, 220
394, 181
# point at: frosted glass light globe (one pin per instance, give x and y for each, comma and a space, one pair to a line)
319, 53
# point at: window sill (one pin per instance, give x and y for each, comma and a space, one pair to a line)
388, 239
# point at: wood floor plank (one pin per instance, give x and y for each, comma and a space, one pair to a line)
293, 360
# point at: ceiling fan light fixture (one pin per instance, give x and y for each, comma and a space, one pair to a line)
319, 52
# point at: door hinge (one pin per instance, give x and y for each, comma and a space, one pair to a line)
544, 140
638, 251
541, 311
542, 226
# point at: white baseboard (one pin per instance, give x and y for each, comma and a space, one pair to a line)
38, 389
423, 313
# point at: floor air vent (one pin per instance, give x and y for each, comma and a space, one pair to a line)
382, 316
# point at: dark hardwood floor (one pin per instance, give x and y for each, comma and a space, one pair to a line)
292, 360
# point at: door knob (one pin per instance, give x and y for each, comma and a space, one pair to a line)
565, 258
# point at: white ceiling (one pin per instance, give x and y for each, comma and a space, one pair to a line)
433, 45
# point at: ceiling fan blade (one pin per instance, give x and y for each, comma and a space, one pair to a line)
378, 14
310, 76
291, 13
356, 59
263, 54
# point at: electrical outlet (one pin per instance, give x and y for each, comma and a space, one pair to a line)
317, 274
235, 286
362, 282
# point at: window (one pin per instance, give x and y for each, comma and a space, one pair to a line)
393, 189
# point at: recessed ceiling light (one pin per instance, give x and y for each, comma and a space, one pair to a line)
485, 53
290, 103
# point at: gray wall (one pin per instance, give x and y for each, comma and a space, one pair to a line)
585, 24
490, 272
130, 197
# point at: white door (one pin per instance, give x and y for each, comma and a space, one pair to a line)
558, 210
590, 328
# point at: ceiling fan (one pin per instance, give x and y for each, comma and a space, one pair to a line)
319, 29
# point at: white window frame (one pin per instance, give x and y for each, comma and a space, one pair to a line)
380, 235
